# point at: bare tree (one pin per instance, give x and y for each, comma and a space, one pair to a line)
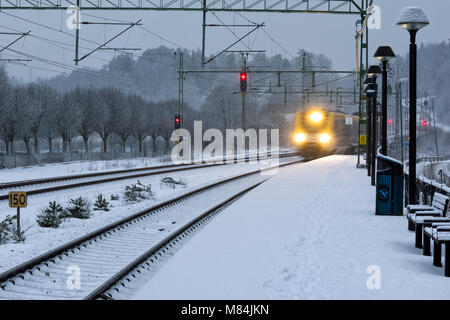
66, 120
139, 110
109, 104
4, 95
12, 118
39, 97
221, 109
87, 113
49, 127
124, 124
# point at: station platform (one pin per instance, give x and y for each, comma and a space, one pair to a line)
309, 232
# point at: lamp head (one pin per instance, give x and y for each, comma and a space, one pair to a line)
373, 71
412, 19
384, 53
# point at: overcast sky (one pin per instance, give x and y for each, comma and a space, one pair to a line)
332, 35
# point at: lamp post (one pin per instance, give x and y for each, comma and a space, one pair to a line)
412, 19
372, 73
369, 128
384, 54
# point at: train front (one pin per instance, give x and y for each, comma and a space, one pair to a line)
313, 132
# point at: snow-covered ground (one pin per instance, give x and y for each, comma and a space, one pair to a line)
86, 166
77, 167
308, 233
40, 240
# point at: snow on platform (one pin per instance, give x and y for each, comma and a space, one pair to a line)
308, 233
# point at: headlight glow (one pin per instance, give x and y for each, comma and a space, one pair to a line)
300, 137
316, 116
325, 138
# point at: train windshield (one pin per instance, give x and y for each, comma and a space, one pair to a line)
314, 121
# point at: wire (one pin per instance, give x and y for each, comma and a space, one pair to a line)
161, 37
237, 37
278, 45
56, 43
50, 28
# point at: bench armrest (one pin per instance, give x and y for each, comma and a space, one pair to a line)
440, 224
432, 220
413, 208
428, 213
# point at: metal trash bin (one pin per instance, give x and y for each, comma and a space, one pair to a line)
389, 200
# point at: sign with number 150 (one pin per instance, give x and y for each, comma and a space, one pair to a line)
17, 199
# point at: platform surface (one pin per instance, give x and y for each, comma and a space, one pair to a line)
309, 232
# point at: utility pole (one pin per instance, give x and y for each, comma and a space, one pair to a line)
303, 79
180, 88
244, 69
397, 112
77, 33
204, 33
401, 122
435, 127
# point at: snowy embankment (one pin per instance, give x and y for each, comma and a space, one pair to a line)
40, 240
308, 233
86, 166
77, 167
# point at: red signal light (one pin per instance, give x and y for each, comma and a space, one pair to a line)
424, 122
243, 78
177, 121
390, 121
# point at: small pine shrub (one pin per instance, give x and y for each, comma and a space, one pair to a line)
79, 208
19, 236
101, 203
138, 192
6, 229
50, 217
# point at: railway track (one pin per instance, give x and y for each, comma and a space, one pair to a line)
106, 176
109, 255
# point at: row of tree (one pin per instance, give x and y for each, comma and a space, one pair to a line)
36, 112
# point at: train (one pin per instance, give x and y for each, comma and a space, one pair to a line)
319, 131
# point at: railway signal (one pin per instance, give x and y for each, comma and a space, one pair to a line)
177, 121
424, 122
243, 78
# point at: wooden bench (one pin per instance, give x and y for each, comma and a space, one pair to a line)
420, 217
440, 234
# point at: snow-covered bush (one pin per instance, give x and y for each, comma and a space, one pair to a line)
138, 192
114, 197
6, 229
79, 208
51, 216
101, 203
19, 235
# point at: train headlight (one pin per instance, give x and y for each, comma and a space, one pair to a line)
316, 116
325, 138
300, 137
